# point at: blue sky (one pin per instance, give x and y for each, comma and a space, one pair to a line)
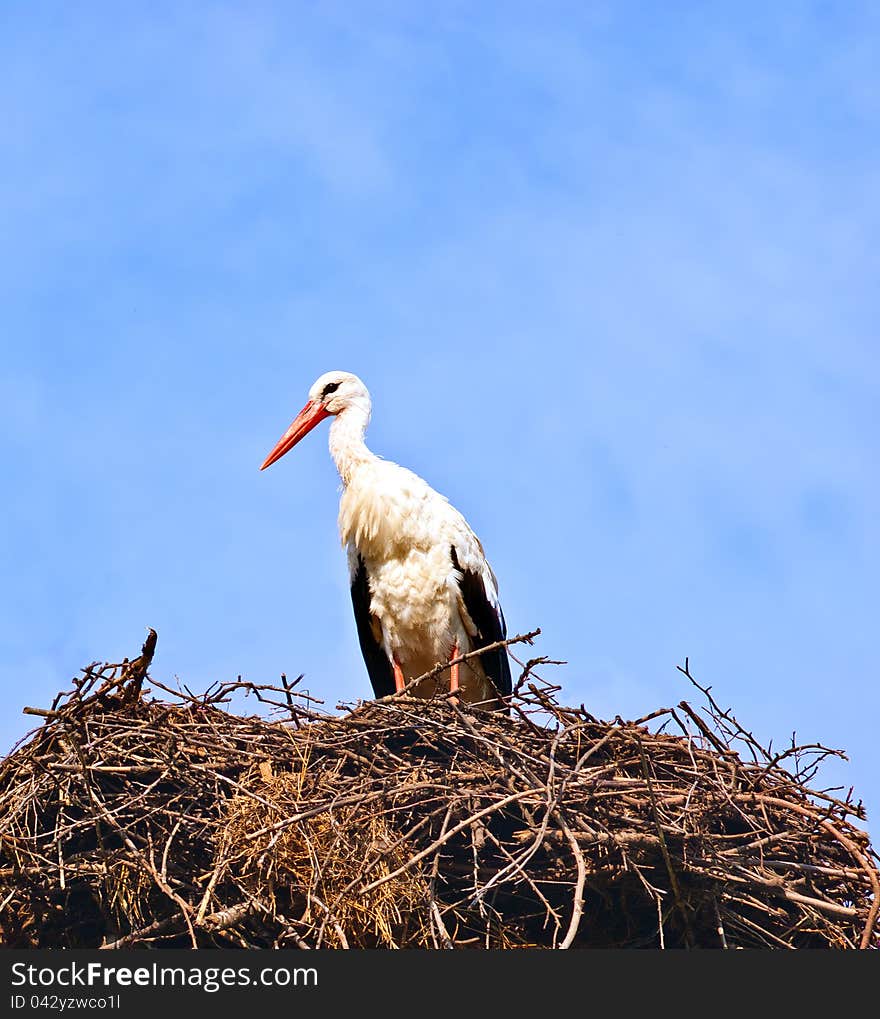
609, 270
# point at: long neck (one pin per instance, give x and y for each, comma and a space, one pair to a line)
347, 446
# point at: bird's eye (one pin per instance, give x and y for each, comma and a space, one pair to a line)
331, 387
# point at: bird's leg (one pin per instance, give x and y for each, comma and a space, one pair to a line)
399, 681
453, 670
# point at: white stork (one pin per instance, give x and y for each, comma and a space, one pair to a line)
422, 590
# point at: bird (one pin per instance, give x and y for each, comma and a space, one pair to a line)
422, 590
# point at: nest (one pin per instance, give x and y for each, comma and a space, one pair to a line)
129, 820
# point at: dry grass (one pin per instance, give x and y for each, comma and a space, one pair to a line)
167, 820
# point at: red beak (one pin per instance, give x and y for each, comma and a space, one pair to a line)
303, 423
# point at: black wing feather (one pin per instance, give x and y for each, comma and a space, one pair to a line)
378, 665
490, 625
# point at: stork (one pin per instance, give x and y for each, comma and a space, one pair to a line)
422, 590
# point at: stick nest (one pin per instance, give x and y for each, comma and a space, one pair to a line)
165, 820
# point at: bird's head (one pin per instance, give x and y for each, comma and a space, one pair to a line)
337, 391
332, 393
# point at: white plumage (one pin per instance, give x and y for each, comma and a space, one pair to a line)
422, 589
